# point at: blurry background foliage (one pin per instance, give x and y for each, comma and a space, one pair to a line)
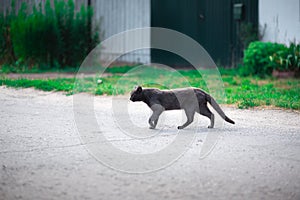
53, 36
287, 59
261, 58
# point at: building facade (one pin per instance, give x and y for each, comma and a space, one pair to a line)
220, 26
280, 20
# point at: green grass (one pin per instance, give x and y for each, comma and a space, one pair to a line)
24, 69
61, 84
251, 92
244, 92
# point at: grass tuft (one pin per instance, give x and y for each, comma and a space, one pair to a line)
244, 92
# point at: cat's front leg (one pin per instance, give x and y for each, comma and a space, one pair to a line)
157, 110
190, 118
150, 121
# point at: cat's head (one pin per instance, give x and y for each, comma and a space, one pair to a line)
137, 94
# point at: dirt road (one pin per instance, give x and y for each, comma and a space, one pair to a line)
42, 157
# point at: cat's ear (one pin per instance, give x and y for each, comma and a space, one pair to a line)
139, 89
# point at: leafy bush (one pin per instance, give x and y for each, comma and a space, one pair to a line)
287, 59
257, 58
50, 36
6, 48
35, 37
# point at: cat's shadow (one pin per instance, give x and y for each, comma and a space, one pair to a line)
191, 130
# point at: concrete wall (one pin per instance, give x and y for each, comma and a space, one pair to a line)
117, 16
282, 20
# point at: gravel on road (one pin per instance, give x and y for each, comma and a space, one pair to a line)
42, 156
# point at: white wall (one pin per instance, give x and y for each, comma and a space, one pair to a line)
282, 20
121, 15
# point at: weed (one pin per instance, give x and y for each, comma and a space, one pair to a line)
245, 92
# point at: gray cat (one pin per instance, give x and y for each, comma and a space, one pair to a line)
191, 100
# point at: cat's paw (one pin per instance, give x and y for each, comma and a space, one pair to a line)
179, 127
210, 127
152, 127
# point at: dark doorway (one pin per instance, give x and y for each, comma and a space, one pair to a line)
210, 22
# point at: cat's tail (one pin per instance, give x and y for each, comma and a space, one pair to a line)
216, 106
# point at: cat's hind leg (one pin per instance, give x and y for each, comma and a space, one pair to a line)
204, 110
